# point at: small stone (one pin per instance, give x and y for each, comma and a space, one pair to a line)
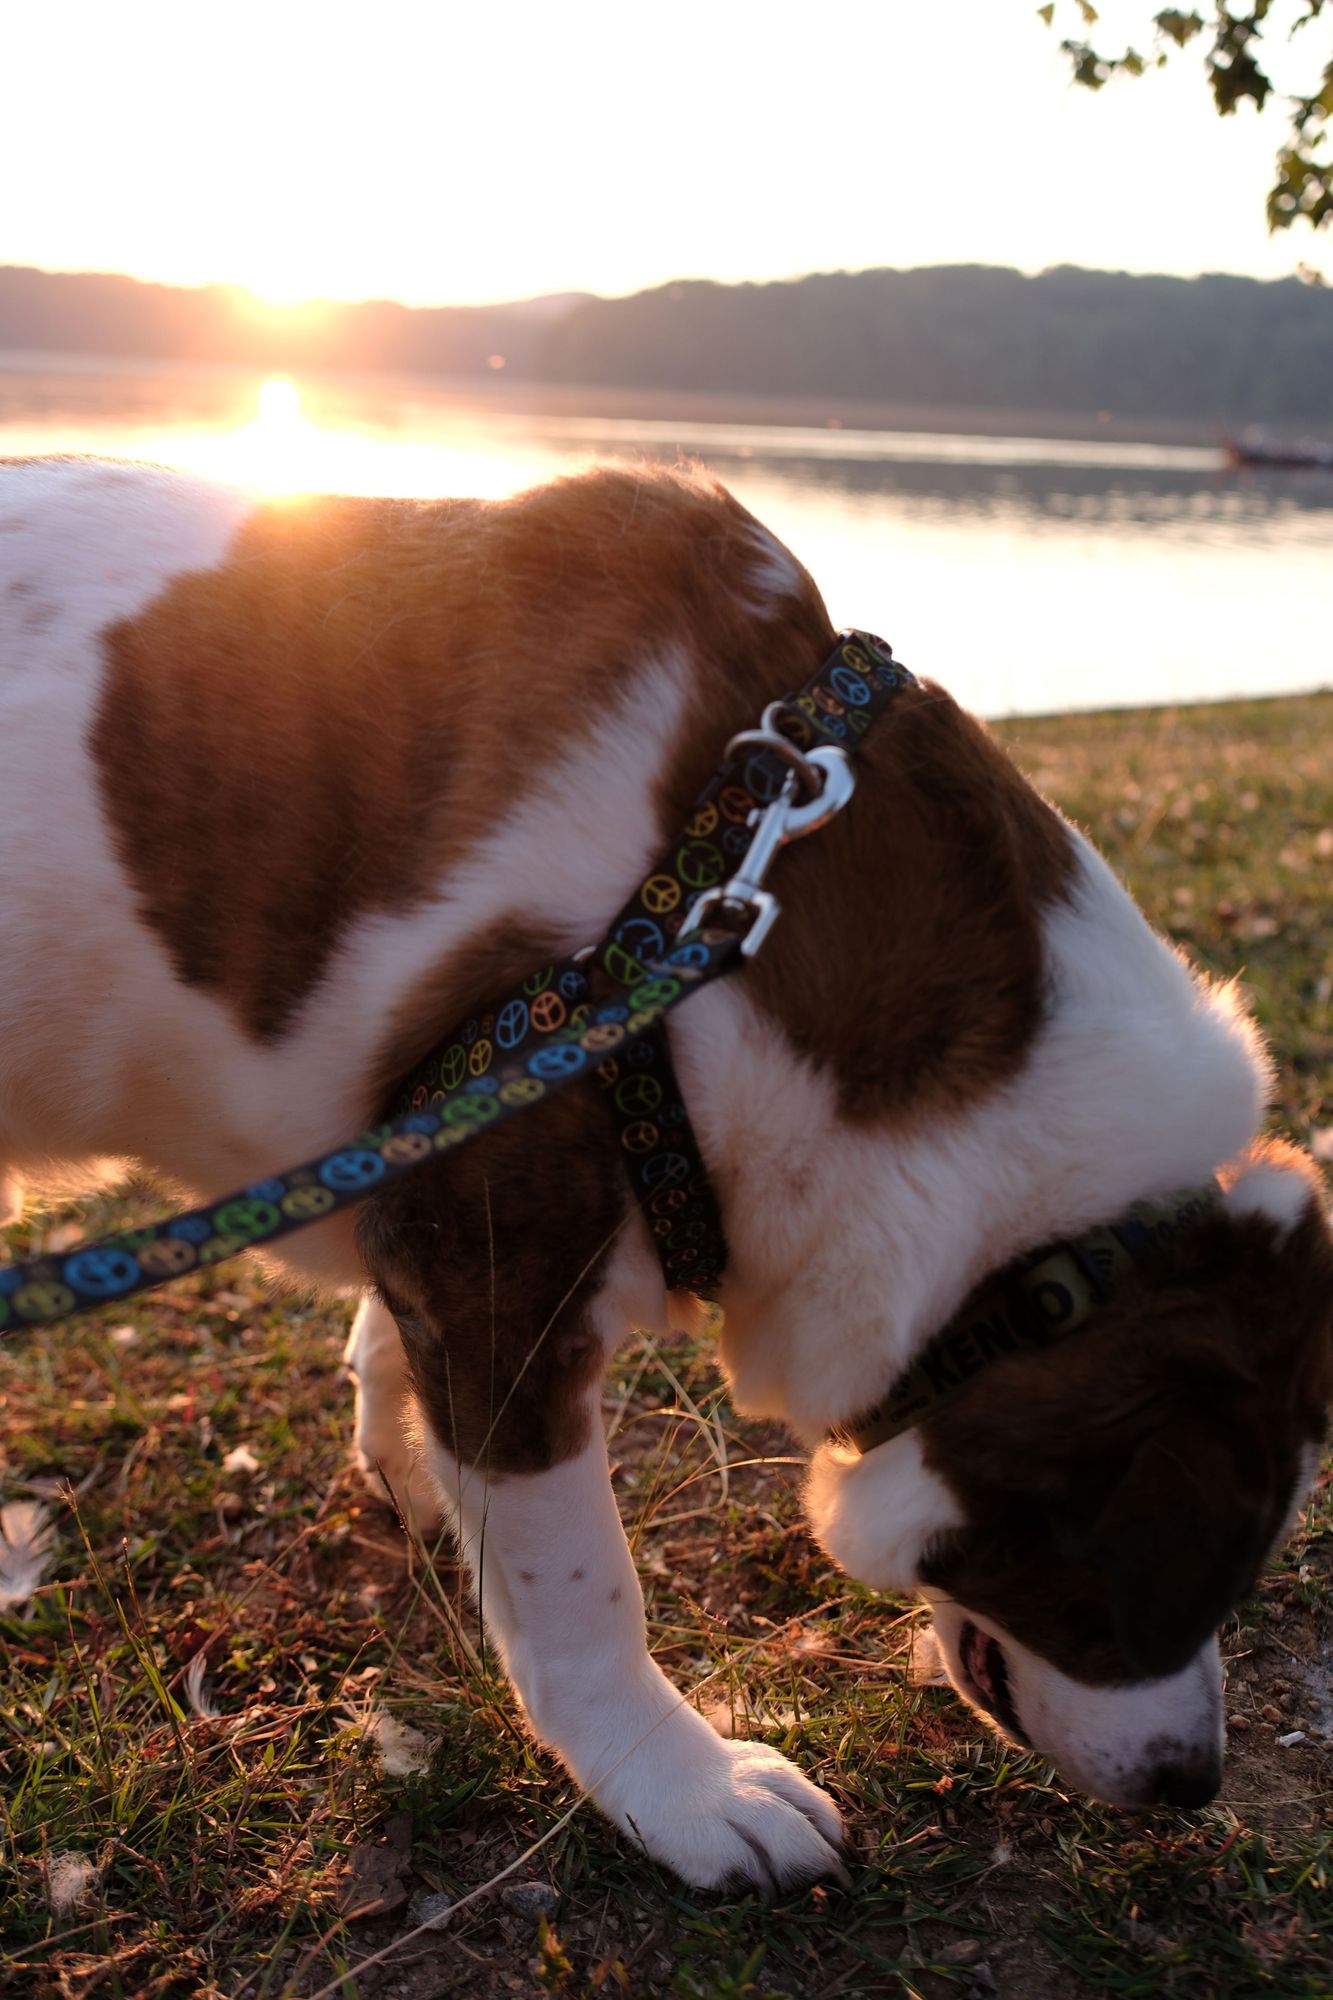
962, 1951
1240, 1723
530, 1899
430, 1909
1270, 1713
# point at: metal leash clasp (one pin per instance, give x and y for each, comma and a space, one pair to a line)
825, 776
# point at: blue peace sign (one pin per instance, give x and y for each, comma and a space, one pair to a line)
420, 1121
642, 937
355, 1168
664, 1170
10, 1279
270, 1190
194, 1228
559, 1059
481, 1086
613, 1011
849, 685
101, 1272
572, 985
688, 954
764, 776
512, 1024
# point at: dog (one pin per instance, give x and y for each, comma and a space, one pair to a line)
290, 787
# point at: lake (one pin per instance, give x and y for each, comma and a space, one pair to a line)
1028, 574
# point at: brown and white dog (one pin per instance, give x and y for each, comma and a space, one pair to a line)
287, 788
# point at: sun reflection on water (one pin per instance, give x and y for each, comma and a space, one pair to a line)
290, 445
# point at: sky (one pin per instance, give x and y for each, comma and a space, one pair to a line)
445, 153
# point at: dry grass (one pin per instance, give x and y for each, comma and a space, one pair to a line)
195, 1786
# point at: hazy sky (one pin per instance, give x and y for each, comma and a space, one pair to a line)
431, 151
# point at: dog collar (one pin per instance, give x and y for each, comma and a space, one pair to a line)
1041, 1301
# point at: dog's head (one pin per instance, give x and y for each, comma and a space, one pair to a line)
1082, 1518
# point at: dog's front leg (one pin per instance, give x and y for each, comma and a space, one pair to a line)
560, 1597
388, 1424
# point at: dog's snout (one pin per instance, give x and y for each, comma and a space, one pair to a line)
1189, 1783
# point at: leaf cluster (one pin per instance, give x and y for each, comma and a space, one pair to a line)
1238, 69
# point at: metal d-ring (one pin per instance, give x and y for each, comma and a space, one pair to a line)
769, 736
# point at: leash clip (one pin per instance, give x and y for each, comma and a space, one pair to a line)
827, 777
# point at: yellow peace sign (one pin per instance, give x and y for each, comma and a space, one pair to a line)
405, 1146
660, 893
522, 1090
168, 1254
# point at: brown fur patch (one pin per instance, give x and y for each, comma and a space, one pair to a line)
1122, 1489
321, 726
488, 1259
909, 956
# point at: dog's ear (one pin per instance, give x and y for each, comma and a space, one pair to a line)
1179, 1540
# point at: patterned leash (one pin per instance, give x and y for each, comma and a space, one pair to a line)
600, 1014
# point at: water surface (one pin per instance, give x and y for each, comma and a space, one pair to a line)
1027, 574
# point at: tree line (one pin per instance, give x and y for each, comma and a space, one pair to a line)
1217, 348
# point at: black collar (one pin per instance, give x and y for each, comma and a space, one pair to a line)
1037, 1301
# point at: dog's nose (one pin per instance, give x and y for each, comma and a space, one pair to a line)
1189, 1785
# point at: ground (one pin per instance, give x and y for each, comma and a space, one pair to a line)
214, 1704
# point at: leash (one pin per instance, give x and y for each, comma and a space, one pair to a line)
702, 910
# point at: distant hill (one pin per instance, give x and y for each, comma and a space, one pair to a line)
1215, 348
59, 312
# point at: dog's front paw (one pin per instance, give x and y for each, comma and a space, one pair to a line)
729, 1815
398, 1476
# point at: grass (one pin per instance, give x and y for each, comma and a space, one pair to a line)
193, 1452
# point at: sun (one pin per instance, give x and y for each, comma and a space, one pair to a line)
279, 404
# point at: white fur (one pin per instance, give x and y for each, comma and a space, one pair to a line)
848, 1248
774, 578
1280, 1194
1116, 1743
877, 1514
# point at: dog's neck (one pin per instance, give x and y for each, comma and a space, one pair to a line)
850, 1247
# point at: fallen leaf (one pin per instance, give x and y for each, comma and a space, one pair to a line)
371, 1885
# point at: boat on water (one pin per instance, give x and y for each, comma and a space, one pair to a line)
1302, 457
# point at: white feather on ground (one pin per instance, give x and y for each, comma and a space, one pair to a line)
200, 1700
402, 1749
69, 1878
27, 1551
